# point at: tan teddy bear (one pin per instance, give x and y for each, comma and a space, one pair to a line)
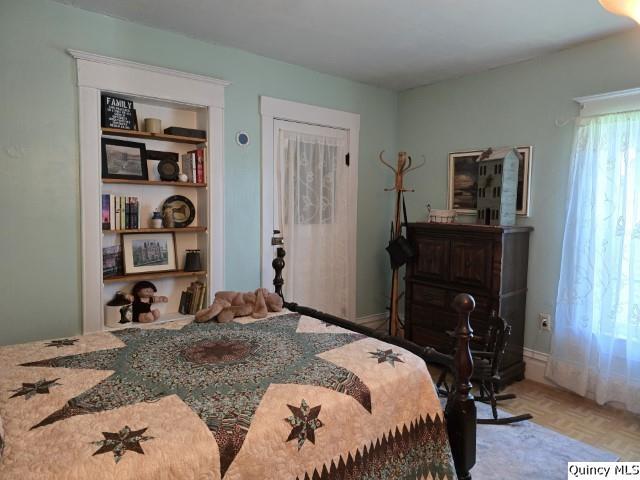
228, 305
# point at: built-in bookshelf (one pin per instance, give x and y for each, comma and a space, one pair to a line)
152, 192
177, 99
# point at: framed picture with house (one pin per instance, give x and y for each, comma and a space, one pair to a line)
149, 252
463, 181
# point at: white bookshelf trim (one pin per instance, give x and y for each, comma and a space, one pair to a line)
97, 73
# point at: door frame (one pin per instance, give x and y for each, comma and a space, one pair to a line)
272, 109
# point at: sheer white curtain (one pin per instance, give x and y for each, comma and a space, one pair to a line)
596, 344
312, 207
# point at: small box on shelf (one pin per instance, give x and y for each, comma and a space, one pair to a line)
187, 132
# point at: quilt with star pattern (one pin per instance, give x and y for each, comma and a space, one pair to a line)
285, 397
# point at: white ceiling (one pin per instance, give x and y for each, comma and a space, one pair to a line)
397, 44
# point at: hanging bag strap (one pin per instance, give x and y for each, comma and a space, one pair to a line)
404, 211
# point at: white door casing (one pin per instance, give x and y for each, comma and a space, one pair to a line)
312, 212
272, 110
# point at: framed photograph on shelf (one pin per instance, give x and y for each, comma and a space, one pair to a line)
149, 252
463, 181
124, 160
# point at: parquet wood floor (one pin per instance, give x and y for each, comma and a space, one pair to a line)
609, 428
612, 429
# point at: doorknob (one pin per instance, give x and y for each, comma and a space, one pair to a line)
277, 238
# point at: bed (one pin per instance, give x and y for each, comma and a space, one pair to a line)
297, 395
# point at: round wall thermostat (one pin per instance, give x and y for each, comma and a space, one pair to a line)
242, 139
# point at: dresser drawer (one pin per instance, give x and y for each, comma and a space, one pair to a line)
471, 262
434, 318
484, 305
432, 324
443, 298
430, 338
432, 258
428, 295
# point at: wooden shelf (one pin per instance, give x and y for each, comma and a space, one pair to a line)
116, 132
153, 182
159, 230
152, 275
164, 318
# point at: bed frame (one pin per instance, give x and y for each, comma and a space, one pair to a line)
460, 411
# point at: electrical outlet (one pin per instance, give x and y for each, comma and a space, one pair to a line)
544, 321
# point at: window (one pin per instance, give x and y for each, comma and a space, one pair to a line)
596, 341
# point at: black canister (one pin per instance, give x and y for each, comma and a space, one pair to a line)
192, 262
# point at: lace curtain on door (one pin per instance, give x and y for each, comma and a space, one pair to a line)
596, 343
311, 193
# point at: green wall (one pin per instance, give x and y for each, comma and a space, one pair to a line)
39, 189
517, 105
39, 221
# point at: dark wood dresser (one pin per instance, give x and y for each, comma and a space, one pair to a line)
488, 262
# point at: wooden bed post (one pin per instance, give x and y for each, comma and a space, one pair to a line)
278, 266
461, 409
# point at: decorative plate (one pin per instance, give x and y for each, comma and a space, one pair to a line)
168, 170
182, 210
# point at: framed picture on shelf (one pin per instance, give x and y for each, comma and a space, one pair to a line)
149, 252
463, 181
124, 160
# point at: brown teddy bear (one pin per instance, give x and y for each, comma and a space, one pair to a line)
228, 305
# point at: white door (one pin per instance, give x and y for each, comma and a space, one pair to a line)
312, 210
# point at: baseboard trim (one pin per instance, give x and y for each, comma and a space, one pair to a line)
536, 366
373, 321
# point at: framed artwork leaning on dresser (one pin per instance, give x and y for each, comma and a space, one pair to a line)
463, 181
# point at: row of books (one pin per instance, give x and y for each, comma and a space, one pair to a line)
193, 165
120, 212
193, 298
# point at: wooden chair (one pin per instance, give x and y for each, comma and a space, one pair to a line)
487, 353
